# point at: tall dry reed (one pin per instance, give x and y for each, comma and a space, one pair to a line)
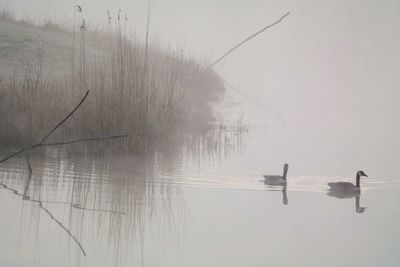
142, 90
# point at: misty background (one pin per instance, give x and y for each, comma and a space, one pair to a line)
329, 71
319, 91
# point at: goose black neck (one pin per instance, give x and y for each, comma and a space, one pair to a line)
284, 174
358, 180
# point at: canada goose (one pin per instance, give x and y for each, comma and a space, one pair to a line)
346, 188
277, 179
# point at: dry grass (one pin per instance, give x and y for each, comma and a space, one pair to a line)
143, 91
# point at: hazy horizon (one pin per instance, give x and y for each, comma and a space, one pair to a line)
334, 60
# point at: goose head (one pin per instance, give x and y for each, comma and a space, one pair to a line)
361, 173
285, 167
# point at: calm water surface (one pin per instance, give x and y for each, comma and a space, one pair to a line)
205, 209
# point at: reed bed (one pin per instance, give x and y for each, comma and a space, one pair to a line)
136, 88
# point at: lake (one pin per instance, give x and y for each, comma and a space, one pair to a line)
206, 205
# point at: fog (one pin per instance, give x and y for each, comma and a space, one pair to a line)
330, 68
319, 91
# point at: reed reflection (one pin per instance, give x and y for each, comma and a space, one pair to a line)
115, 201
98, 202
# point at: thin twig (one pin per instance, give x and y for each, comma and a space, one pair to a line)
66, 118
146, 51
84, 140
76, 206
48, 134
28, 182
80, 207
24, 197
147, 29
18, 152
61, 143
246, 40
63, 227
28, 162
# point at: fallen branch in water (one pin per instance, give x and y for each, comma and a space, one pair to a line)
61, 143
27, 198
246, 40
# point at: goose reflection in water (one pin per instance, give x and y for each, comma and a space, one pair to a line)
348, 190
284, 194
356, 196
277, 181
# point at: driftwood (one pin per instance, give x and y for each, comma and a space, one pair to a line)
246, 40
42, 142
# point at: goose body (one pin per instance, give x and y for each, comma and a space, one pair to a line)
343, 186
344, 189
277, 179
348, 190
274, 180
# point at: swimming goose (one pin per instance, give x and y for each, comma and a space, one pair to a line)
347, 188
277, 179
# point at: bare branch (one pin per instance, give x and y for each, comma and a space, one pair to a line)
28, 162
246, 40
18, 152
24, 197
84, 140
60, 143
63, 227
65, 119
